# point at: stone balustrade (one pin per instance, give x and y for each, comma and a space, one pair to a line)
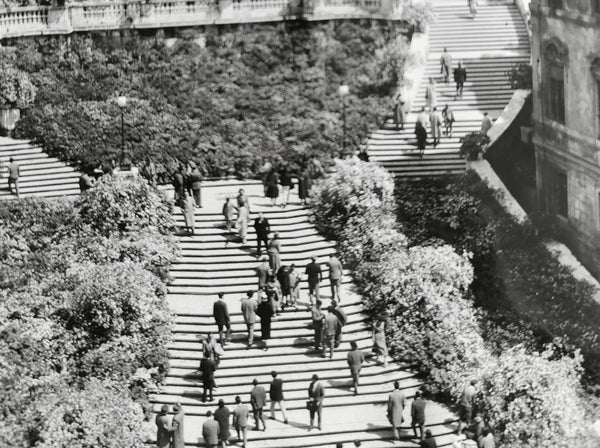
97, 16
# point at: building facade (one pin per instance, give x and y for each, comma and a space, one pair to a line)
566, 118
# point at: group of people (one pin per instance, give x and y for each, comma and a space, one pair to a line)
439, 123
280, 182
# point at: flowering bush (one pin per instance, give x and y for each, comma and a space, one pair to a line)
82, 299
116, 204
424, 292
16, 90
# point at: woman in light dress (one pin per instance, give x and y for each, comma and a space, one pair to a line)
430, 95
379, 344
188, 207
473, 8
242, 222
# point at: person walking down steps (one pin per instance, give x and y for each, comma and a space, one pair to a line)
276, 396
316, 393
446, 65
435, 121
473, 4
460, 77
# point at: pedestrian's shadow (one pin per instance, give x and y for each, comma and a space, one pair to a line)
340, 384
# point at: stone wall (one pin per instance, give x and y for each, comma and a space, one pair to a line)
572, 147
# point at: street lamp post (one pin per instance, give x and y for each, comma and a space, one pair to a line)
122, 102
343, 91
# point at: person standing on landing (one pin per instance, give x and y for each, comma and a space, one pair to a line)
287, 183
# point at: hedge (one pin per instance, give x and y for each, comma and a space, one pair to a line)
261, 92
425, 293
84, 321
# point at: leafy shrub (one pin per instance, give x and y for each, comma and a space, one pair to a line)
424, 294
116, 204
418, 14
520, 76
16, 90
534, 400
472, 145
248, 95
101, 414
119, 299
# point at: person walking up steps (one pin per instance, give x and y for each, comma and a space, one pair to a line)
460, 77
315, 277
342, 320
228, 213
422, 118
210, 431
265, 312
222, 415
276, 396
258, 400
262, 272
262, 229
399, 112
207, 371
428, 441
242, 223
317, 321
486, 124
335, 276
274, 252
240, 421
379, 344
430, 95
395, 408
417, 413
331, 325
14, 172
446, 65
355, 358
221, 315
421, 134
316, 393
249, 306
435, 120
448, 116
294, 285
164, 430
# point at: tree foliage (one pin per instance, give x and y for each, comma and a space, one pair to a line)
257, 93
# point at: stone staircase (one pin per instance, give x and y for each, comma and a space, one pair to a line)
488, 47
41, 175
211, 261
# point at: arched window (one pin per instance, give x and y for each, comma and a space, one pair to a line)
555, 59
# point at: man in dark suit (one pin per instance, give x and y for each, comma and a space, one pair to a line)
315, 277
221, 315
355, 361
460, 77
417, 412
207, 370
262, 228
276, 395
395, 407
164, 430
194, 181
258, 400
210, 431
262, 272
342, 319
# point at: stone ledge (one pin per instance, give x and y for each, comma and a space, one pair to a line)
508, 115
561, 252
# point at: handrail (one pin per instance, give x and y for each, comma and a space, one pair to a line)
145, 14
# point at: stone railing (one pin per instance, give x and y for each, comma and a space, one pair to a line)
138, 14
